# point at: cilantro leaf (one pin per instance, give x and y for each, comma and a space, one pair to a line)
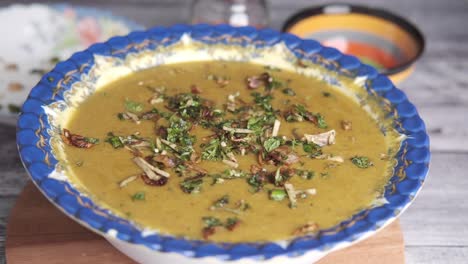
321, 121
305, 174
231, 223
361, 162
133, 107
192, 185
313, 149
212, 150
271, 144
211, 221
114, 140
277, 194
187, 105
273, 84
221, 202
256, 181
264, 101
257, 124
138, 196
178, 133
91, 140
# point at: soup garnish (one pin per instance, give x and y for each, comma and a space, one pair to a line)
239, 152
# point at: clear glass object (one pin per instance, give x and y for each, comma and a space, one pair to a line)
233, 12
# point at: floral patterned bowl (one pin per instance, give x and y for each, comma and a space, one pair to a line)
42, 35
66, 86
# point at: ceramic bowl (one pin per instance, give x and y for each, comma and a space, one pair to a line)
42, 35
66, 86
384, 39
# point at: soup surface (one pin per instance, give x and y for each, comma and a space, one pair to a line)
227, 152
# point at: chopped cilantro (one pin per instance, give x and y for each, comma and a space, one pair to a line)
296, 113
231, 223
361, 162
271, 143
264, 101
241, 131
256, 181
274, 84
210, 221
163, 114
321, 121
187, 105
180, 170
299, 113
138, 196
193, 185
178, 133
294, 143
305, 174
312, 149
301, 109
233, 174
277, 194
212, 150
91, 140
221, 202
133, 107
258, 123
229, 174
114, 140
255, 124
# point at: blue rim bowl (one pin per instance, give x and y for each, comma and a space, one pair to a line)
33, 140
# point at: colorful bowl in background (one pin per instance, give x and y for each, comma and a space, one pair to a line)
377, 37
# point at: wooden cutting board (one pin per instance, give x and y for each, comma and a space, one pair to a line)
38, 233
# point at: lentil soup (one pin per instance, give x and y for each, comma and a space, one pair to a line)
227, 151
